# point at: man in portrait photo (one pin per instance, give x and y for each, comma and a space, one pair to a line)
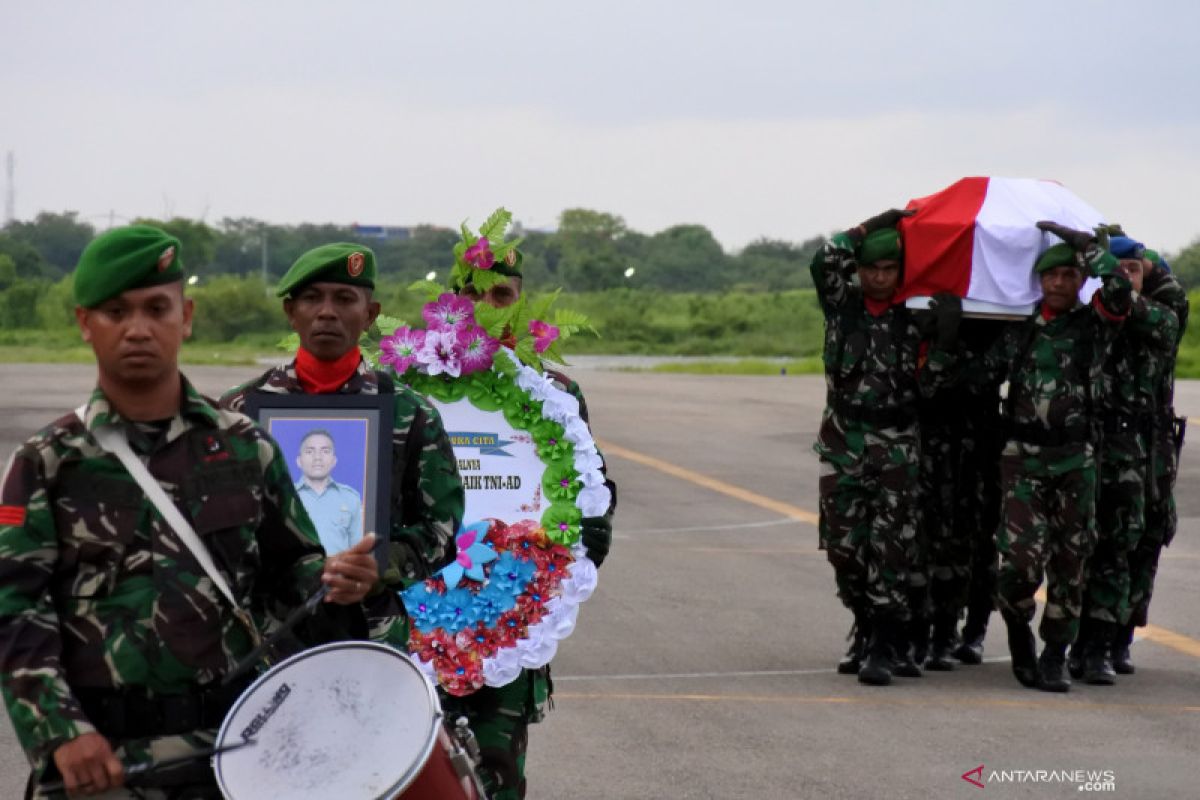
335, 508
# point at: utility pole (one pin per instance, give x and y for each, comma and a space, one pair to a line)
10, 189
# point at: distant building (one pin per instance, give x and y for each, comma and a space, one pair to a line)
381, 231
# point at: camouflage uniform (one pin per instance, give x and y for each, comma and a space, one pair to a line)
427, 494
1048, 465
1163, 288
875, 369
1132, 373
100, 602
500, 716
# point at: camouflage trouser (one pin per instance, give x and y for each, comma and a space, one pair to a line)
946, 556
1120, 520
1161, 521
500, 718
867, 527
1047, 523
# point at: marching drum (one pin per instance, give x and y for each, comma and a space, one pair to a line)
347, 720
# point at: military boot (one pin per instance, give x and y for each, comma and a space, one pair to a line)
1052, 668
1079, 648
860, 634
943, 643
904, 665
1121, 660
917, 644
1097, 664
973, 633
1023, 647
876, 669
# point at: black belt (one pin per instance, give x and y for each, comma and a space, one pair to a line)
893, 417
1034, 433
133, 713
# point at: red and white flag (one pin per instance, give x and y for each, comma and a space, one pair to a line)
978, 239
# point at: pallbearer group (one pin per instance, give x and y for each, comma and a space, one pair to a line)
967, 462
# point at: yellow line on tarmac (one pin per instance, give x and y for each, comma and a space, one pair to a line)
736, 492
1171, 639
922, 702
1175, 641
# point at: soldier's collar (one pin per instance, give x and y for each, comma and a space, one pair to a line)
99, 411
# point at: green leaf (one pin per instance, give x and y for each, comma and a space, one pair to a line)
554, 353
387, 325
431, 289
483, 279
467, 236
290, 343
492, 319
541, 306
493, 229
527, 354
503, 364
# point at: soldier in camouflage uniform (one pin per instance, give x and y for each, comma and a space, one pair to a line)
877, 363
500, 716
1161, 287
1133, 371
1053, 365
328, 301
113, 638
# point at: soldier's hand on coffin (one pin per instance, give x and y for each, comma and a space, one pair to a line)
1079, 240
888, 219
351, 573
596, 533
947, 310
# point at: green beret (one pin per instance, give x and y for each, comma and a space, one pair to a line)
880, 245
121, 259
510, 266
1059, 255
340, 262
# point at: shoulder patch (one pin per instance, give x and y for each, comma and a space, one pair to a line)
12, 515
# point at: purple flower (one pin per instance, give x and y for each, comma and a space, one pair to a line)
544, 334
477, 349
401, 348
441, 353
448, 311
479, 256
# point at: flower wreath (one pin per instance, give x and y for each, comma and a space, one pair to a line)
514, 589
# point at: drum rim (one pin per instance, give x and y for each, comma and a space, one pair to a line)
434, 724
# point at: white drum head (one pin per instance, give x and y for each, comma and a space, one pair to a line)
347, 720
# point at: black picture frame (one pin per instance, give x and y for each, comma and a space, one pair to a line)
284, 416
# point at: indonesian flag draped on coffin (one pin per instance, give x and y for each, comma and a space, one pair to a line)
978, 239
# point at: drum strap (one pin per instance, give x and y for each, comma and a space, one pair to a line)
113, 440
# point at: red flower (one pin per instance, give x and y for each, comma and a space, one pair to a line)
460, 673
481, 639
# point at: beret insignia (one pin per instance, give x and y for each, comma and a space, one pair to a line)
510, 258
354, 264
166, 258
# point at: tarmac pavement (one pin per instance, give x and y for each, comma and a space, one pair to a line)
703, 665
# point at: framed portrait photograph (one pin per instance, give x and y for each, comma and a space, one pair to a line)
338, 448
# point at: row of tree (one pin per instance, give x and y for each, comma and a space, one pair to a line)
590, 250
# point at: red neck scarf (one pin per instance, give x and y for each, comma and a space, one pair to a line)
1048, 314
324, 377
877, 308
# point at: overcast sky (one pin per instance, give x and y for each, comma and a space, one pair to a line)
754, 118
